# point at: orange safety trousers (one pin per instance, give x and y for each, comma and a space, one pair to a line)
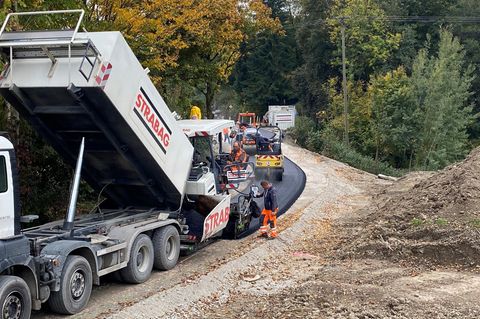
268, 218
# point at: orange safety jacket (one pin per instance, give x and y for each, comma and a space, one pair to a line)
239, 157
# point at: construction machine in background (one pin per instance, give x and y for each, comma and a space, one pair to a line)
269, 160
247, 119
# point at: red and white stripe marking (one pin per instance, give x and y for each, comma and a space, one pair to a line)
202, 133
103, 74
266, 157
283, 118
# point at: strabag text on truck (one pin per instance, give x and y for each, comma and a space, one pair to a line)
151, 119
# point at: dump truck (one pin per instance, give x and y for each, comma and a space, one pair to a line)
89, 97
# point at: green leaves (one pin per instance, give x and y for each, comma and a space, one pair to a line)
443, 85
370, 42
394, 123
262, 76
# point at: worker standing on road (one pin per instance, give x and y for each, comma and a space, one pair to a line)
270, 210
195, 113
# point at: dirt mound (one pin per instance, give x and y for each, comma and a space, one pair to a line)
431, 217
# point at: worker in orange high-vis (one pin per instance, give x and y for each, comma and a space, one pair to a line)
270, 210
238, 154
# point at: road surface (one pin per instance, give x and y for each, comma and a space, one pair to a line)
111, 296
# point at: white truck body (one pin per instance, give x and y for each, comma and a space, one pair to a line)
129, 91
282, 116
7, 205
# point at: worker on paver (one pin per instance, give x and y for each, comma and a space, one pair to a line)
270, 210
238, 154
195, 113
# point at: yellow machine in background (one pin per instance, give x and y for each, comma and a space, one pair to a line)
269, 158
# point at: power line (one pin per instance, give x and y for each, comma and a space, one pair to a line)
406, 19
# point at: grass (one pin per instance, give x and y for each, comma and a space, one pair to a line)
475, 223
327, 144
417, 222
441, 222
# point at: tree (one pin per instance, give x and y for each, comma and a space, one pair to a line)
316, 51
359, 117
208, 63
442, 86
393, 121
370, 43
197, 42
262, 76
469, 35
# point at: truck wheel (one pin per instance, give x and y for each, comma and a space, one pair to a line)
15, 298
166, 242
75, 287
139, 267
230, 231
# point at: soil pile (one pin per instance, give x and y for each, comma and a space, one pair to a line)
430, 217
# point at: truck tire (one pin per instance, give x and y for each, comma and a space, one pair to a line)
166, 243
229, 232
140, 263
75, 287
15, 298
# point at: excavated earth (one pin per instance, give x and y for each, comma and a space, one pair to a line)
431, 219
352, 246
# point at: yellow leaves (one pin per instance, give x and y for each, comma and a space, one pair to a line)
160, 30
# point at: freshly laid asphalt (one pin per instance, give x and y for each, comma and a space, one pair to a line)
288, 190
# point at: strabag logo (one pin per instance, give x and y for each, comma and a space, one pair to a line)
151, 119
216, 221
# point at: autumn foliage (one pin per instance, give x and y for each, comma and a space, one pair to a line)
196, 41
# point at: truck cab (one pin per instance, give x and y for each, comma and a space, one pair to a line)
7, 201
17, 268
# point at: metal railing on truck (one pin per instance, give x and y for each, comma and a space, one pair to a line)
53, 44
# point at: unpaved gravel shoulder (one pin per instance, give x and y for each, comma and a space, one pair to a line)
329, 183
313, 278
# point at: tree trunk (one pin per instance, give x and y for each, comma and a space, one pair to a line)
209, 95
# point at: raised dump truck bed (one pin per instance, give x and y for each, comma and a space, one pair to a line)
73, 85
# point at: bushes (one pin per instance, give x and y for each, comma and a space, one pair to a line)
304, 126
326, 142
336, 149
315, 141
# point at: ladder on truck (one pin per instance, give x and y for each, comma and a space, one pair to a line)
52, 44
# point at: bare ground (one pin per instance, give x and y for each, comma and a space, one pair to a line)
316, 272
330, 261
